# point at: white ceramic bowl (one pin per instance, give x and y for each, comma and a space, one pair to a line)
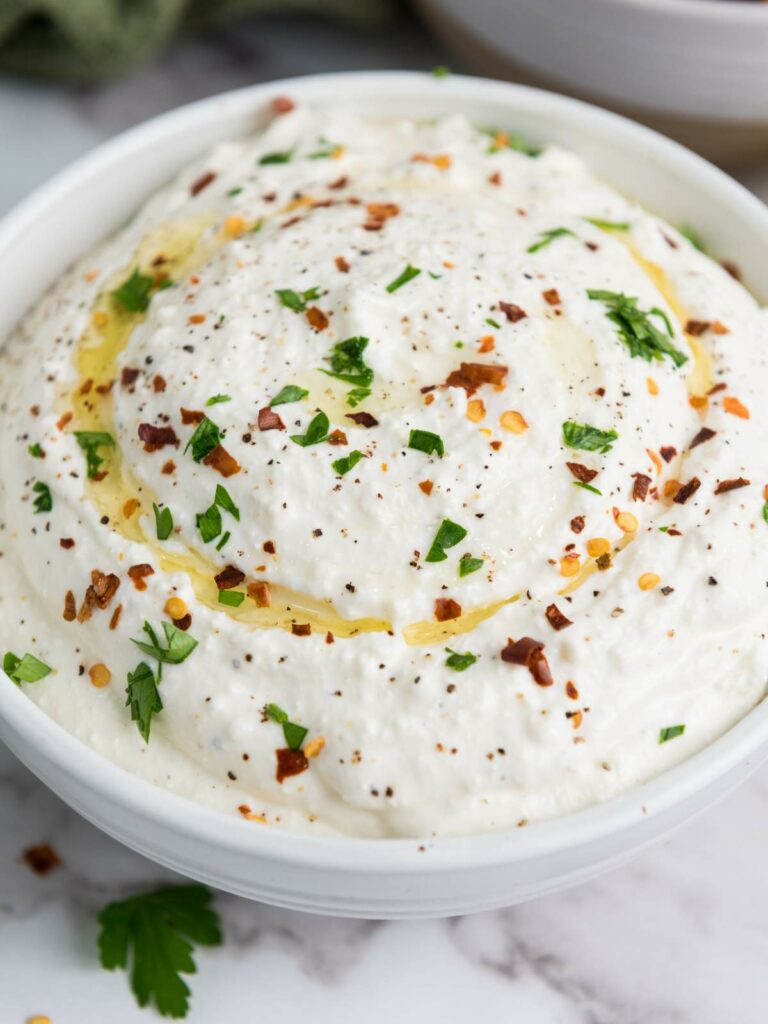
370, 878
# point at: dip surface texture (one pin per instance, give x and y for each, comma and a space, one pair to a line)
434, 467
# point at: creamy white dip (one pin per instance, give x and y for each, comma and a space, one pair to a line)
646, 589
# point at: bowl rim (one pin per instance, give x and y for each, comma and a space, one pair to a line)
26, 726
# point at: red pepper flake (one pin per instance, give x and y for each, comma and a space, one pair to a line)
577, 524
495, 178
471, 375
105, 586
486, 343
269, 420
158, 384
282, 105
342, 265
512, 312
129, 376
552, 296
697, 327
67, 543
64, 420
104, 389
318, 321
362, 419
220, 460
330, 638
301, 628
202, 182
70, 608
169, 467
138, 572
530, 653
382, 211
259, 592
426, 486
724, 486
339, 183
721, 386
229, 577
687, 490
290, 762
446, 608
269, 547
640, 486
571, 690
85, 387
582, 473
556, 619
705, 434
337, 437
41, 859
290, 222
183, 623
191, 416
113, 622
155, 438
668, 452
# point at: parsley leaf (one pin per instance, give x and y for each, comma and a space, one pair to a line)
547, 237
276, 158
43, 502
294, 734
609, 225
348, 462
135, 292
206, 437
448, 536
234, 598
765, 512
290, 393
28, 669
317, 432
224, 500
356, 396
218, 399
407, 275
670, 732
156, 932
459, 662
586, 438
297, 301
347, 362
638, 332
586, 487
468, 564
90, 441
143, 697
179, 645
493, 323
209, 523
163, 522
427, 442
36, 451
223, 540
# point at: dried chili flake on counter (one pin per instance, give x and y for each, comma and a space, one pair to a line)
687, 490
269, 420
446, 609
155, 438
556, 619
229, 577
529, 653
724, 486
512, 311
202, 182
582, 473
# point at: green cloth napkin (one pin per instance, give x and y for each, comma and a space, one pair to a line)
87, 40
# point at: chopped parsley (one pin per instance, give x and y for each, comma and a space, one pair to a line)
290, 393
224, 500
36, 451
765, 512
218, 399
448, 535
468, 564
586, 487
638, 332
209, 523
348, 365
343, 465
234, 598
459, 662
356, 396
317, 432
234, 192
276, 158
587, 438
670, 732
493, 323
135, 292
294, 734
510, 140
609, 225
156, 932
143, 697
206, 437
178, 644
547, 237
28, 669
90, 441
407, 275
163, 522
225, 537
427, 442
297, 301
44, 501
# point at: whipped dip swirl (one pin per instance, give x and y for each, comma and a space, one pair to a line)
388, 478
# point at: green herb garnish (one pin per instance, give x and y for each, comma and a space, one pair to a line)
135, 292
155, 932
294, 734
586, 487
468, 564
36, 451
609, 225
297, 301
225, 537
234, 598
317, 432
234, 192
493, 323
427, 442
441, 71
143, 697
44, 500
765, 512
209, 523
218, 399
224, 500
459, 662
347, 363
290, 393
587, 438
90, 441
670, 732
547, 237
510, 140
276, 158
206, 437
343, 466
638, 332
448, 536
356, 396
163, 522
178, 644
28, 669
407, 275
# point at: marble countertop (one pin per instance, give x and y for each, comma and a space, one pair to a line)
678, 937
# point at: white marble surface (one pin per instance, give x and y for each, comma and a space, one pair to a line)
678, 937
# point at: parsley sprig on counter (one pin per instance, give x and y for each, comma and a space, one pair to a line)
448, 535
636, 329
153, 935
587, 438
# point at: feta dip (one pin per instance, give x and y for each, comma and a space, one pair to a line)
388, 478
